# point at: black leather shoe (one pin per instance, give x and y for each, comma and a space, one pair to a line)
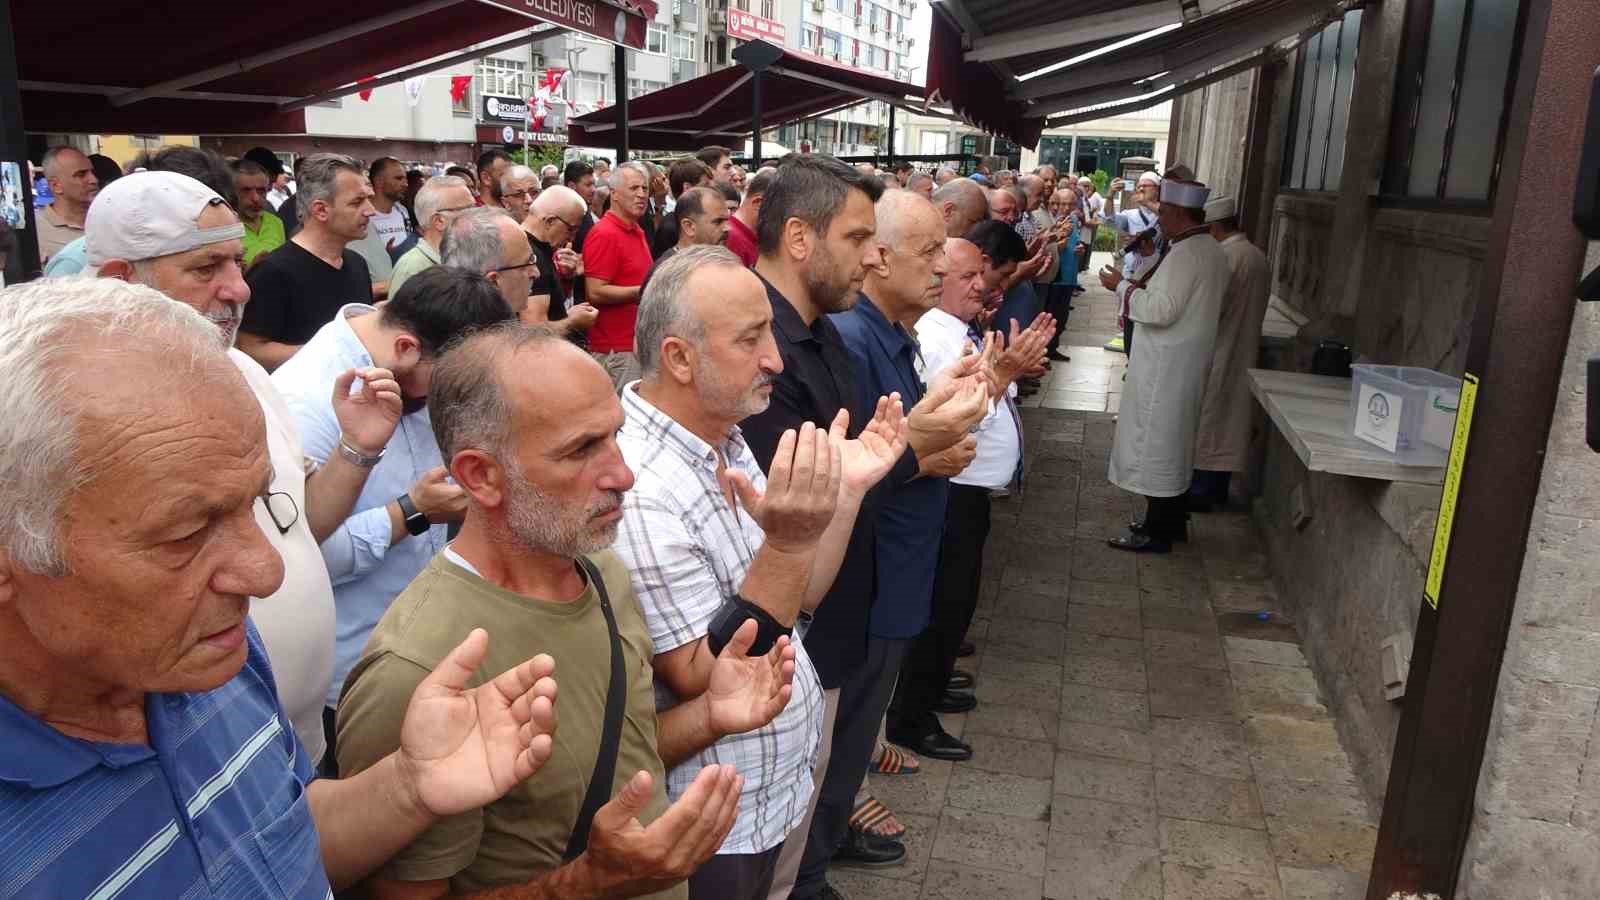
1181, 537
1141, 543
868, 850
939, 745
961, 681
955, 702
1058, 356
966, 649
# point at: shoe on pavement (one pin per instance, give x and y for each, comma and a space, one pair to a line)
1115, 345
867, 850
955, 702
938, 745
1179, 538
1058, 356
1141, 543
961, 681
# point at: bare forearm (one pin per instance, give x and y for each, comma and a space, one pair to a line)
831, 548
574, 881
363, 820
601, 294
331, 494
268, 354
777, 581
684, 730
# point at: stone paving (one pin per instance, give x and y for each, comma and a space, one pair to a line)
1143, 732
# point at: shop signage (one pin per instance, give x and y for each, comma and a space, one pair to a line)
493, 108
510, 134
615, 24
752, 27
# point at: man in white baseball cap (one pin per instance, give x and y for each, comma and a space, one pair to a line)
170, 232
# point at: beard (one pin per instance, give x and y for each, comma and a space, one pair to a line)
538, 522
727, 401
829, 283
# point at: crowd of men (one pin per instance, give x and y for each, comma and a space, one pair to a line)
320, 483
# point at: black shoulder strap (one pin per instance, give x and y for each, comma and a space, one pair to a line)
605, 763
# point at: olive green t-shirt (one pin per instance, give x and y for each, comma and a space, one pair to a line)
523, 834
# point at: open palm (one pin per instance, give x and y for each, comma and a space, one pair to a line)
747, 692
460, 747
871, 455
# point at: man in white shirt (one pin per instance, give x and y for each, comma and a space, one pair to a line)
698, 550
184, 228
400, 516
945, 334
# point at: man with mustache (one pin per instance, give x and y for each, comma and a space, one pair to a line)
400, 516
709, 540
529, 426
172, 233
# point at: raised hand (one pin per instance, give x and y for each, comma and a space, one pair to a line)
866, 459
437, 498
367, 417
461, 747
1024, 351
747, 692
951, 461
802, 490
627, 859
950, 409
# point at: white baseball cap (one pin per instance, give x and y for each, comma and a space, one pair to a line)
150, 214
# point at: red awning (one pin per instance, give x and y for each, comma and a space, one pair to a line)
229, 68
716, 108
973, 90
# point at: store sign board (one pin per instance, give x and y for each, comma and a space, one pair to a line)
752, 27
602, 20
495, 108
510, 134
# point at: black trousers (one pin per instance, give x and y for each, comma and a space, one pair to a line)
1127, 337
1165, 516
932, 656
1058, 302
862, 700
1210, 486
735, 876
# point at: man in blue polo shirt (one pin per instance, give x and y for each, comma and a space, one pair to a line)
143, 750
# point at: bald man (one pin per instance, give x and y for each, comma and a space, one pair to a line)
551, 224
961, 204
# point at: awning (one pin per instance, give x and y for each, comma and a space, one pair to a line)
1031, 50
715, 108
200, 67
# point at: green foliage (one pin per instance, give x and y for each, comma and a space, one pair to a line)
539, 155
1101, 178
1105, 239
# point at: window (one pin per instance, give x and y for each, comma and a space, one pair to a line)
682, 46
655, 39
506, 77
1324, 77
767, 11
832, 42
638, 87
1456, 70
837, 5
592, 89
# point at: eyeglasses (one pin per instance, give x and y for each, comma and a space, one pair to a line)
522, 193
283, 510
532, 263
568, 224
453, 209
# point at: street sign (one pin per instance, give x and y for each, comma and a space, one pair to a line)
613, 24
752, 27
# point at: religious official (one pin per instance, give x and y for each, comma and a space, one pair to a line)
1176, 306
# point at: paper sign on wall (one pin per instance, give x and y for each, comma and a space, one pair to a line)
1378, 417
1452, 488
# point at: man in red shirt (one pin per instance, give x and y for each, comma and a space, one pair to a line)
616, 258
742, 226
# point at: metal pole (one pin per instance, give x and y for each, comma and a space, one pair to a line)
24, 263
619, 67
755, 120
891, 137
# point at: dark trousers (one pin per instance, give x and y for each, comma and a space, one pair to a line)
1210, 488
735, 876
862, 700
932, 656
1058, 302
1165, 516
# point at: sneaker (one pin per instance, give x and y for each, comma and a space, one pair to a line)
1115, 345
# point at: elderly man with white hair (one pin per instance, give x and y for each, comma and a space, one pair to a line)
441, 199
147, 749
515, 189
172, 233
616, 259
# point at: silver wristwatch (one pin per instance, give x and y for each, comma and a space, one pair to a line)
355, 456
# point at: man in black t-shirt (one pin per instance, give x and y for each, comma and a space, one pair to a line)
299, 287
701, 217
550, 225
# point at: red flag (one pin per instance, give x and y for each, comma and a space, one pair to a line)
366, 94
458, 87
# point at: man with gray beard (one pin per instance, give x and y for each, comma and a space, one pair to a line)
527, 424
710, 543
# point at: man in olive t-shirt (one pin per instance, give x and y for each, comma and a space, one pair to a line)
527, 424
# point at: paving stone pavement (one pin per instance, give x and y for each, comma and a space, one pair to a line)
1142, 733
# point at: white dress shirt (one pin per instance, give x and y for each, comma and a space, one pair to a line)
943, 339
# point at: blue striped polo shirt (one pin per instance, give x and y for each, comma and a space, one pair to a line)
214, 805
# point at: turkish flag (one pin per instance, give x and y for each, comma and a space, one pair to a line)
366, 94
458, 87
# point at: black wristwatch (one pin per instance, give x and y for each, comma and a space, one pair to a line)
416, 522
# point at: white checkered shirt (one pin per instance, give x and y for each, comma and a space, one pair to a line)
687, 550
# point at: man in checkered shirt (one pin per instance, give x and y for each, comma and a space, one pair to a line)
703, 526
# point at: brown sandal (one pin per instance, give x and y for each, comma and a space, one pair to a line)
874, 818
890, 760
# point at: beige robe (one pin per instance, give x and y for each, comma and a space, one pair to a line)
1153, 452
1223, 444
